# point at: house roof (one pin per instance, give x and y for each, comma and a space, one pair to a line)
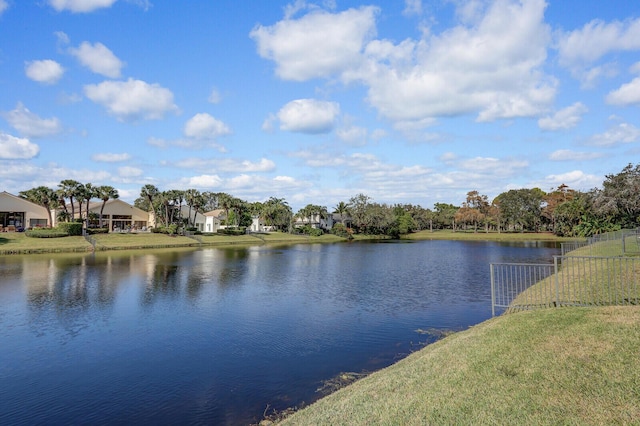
216, 213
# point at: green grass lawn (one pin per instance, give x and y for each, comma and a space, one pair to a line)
484, 236
18, 243
556, 366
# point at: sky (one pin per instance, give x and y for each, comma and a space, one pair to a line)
410, 101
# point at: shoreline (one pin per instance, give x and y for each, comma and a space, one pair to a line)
12, 244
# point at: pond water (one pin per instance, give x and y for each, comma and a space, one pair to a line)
215, 336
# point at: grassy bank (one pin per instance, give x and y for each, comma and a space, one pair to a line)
555, 366
484, 236
18, 243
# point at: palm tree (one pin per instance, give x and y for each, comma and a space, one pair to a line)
43, 196
87, 192
342, 209
190, 196
69, 188
150, 193
106, 193
225, 201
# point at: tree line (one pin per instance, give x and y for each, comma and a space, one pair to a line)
563, 211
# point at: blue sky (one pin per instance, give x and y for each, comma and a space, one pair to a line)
405, 101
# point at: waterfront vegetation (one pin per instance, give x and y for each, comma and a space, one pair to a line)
19, 243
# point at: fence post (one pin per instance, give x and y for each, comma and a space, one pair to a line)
555, 272
493, 293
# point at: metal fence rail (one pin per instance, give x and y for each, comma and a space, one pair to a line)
569, 281
508, 280
625, 240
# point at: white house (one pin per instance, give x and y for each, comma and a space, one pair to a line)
315, 221
258, 224
17, 212
195, 218
213, 220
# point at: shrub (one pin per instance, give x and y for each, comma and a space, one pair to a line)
71, 228
233, 231
342, 231
92, 231
45, 233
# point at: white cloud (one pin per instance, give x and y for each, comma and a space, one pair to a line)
214, 96
204, 126
111, 157
412, 7
98, 58
493, 68
569, 155
596, 39
318, 44
489, 165
45, 71
578, 50
620, 133
575, 179
30, 125
128, 171
627, 94
566, 118
132, 99
308, 116
80, 6
203, 182
227, 165
3, 6
13, 148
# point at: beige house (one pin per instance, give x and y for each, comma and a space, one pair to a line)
17, 213
117, 215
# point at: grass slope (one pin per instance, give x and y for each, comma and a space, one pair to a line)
556, 366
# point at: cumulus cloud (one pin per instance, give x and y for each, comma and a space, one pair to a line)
627, 94
227, 165
618, 134
569, 155
318, 44
490, 64
30, 125
203, 182
576, 179
80, 6
98, 58
3, 6
578, 50
596, 39
111, 157
44, 71
492, 67
204, 126
13, 148
128, 171
132, 99
566, 118
308, 116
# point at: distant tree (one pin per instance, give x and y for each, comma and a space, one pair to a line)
358, 208
341, 209
105, 193
521, 207
445, 215
43, 196
70, 189
619, 197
